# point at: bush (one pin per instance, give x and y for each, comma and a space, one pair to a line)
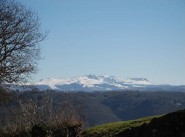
67, 122
39, 130
38, 118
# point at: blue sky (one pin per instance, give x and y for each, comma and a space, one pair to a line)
125, 38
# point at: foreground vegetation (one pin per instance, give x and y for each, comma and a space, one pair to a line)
38, 117
22, 114
170, 125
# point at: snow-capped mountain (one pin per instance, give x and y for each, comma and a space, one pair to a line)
99, 83
90, 83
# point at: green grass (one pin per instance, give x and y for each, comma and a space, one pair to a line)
111, 129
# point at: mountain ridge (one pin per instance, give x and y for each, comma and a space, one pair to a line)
89, 83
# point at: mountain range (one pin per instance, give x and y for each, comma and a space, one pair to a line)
91, 83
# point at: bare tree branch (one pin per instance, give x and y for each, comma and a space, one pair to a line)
20, 36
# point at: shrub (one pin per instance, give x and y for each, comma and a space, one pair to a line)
40, 130
38, 118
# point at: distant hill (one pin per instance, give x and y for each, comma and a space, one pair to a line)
169, 125
104, 107
89, 83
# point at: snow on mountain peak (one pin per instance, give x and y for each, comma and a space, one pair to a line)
139, 81
90, 82
91, 76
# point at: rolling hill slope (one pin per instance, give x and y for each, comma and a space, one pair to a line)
169, 125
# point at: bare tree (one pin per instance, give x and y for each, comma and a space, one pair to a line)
20, 35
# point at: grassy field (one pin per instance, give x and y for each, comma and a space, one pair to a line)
110, 130
168, 125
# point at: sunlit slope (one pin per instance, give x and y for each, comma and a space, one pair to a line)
172, 124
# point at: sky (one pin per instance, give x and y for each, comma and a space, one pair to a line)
123, 38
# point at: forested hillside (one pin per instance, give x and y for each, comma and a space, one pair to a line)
102, 107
